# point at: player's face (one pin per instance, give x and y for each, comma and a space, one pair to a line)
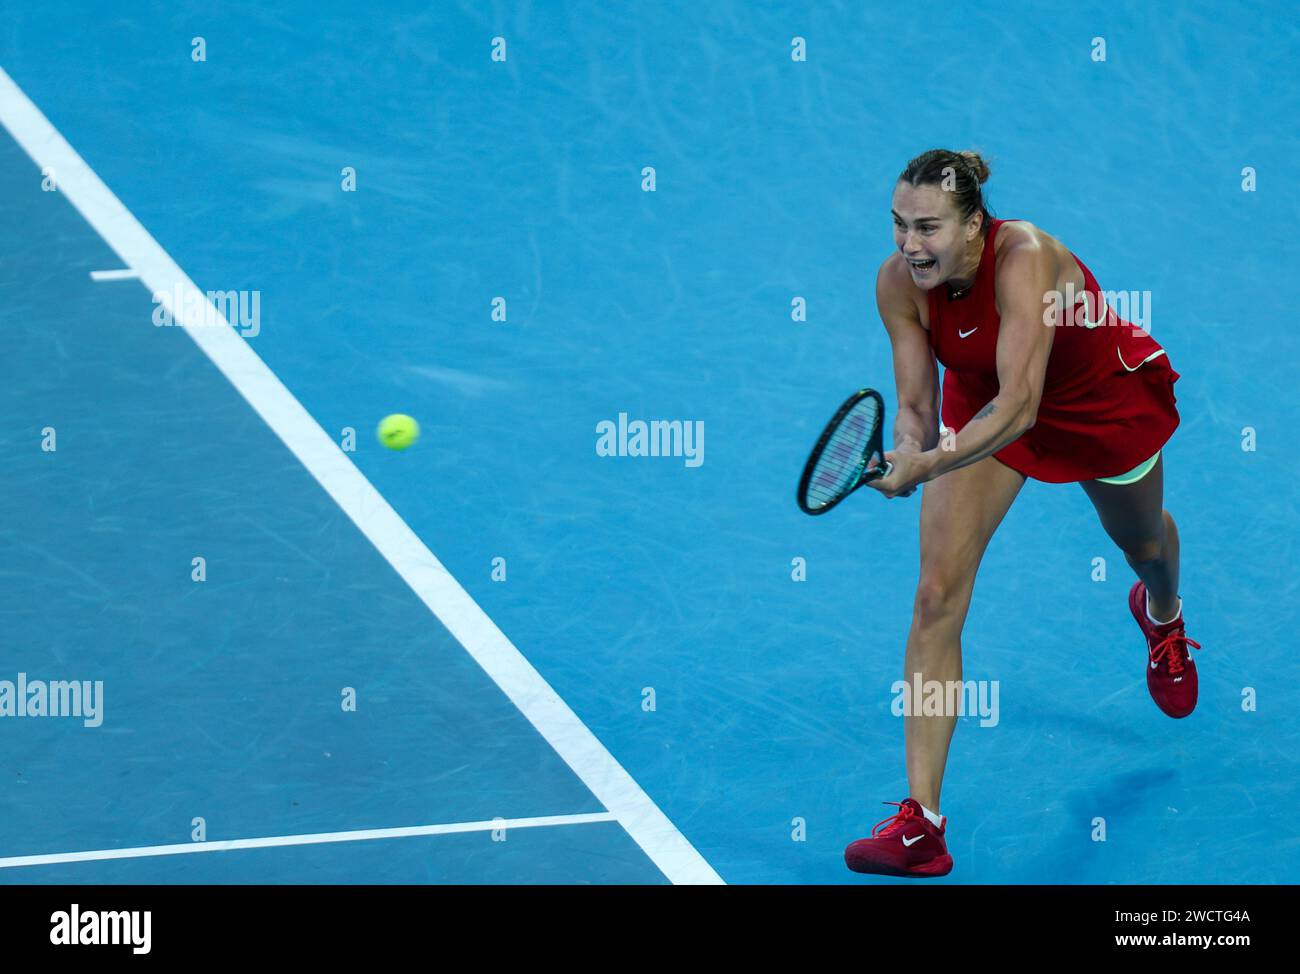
928, 233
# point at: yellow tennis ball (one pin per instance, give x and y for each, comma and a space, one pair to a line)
398, 431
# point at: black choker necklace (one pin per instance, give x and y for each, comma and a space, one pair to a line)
955, 295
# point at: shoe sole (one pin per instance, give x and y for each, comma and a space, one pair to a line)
938, 866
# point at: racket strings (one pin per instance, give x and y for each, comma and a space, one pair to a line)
844, 454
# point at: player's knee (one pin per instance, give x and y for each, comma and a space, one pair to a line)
1148, 549
939, 597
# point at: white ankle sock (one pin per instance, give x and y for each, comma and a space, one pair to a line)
1156, 621
934, 819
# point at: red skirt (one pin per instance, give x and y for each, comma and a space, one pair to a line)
1100, 425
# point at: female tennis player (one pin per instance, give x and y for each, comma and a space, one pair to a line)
1032, 388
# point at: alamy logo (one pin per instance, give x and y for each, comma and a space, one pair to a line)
190, 308
656, 438
56, 698
947, 698
133, 927
1088, 309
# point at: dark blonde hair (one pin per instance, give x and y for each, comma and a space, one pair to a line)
969, 171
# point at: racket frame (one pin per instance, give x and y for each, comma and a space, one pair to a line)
875, 447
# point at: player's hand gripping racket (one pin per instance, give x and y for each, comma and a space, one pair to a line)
838, 464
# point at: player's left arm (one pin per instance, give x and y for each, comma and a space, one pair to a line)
1026, 275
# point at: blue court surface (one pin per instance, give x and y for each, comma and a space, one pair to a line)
500, 656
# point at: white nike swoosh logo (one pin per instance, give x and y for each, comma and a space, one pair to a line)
967, 334
1134, 368
912, 841
1153, 666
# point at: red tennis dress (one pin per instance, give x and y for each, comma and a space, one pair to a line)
1108, 396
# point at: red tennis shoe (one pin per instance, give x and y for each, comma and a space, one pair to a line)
905, 844
1171, 674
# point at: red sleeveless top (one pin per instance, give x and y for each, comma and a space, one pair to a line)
1108, 397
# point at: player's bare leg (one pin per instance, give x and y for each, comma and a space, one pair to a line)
1134, 517
959, 513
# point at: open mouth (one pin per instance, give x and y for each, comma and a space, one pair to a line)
921, 266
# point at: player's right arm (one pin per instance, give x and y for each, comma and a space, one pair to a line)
916, 373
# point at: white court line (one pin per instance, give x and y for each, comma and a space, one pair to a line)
120, 274
392, 537
274, 841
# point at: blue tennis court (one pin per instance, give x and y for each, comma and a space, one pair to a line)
501, 656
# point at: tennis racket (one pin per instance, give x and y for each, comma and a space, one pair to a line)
838, 463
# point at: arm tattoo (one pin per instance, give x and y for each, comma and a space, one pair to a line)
988, 410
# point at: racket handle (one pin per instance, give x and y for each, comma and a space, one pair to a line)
883, 469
